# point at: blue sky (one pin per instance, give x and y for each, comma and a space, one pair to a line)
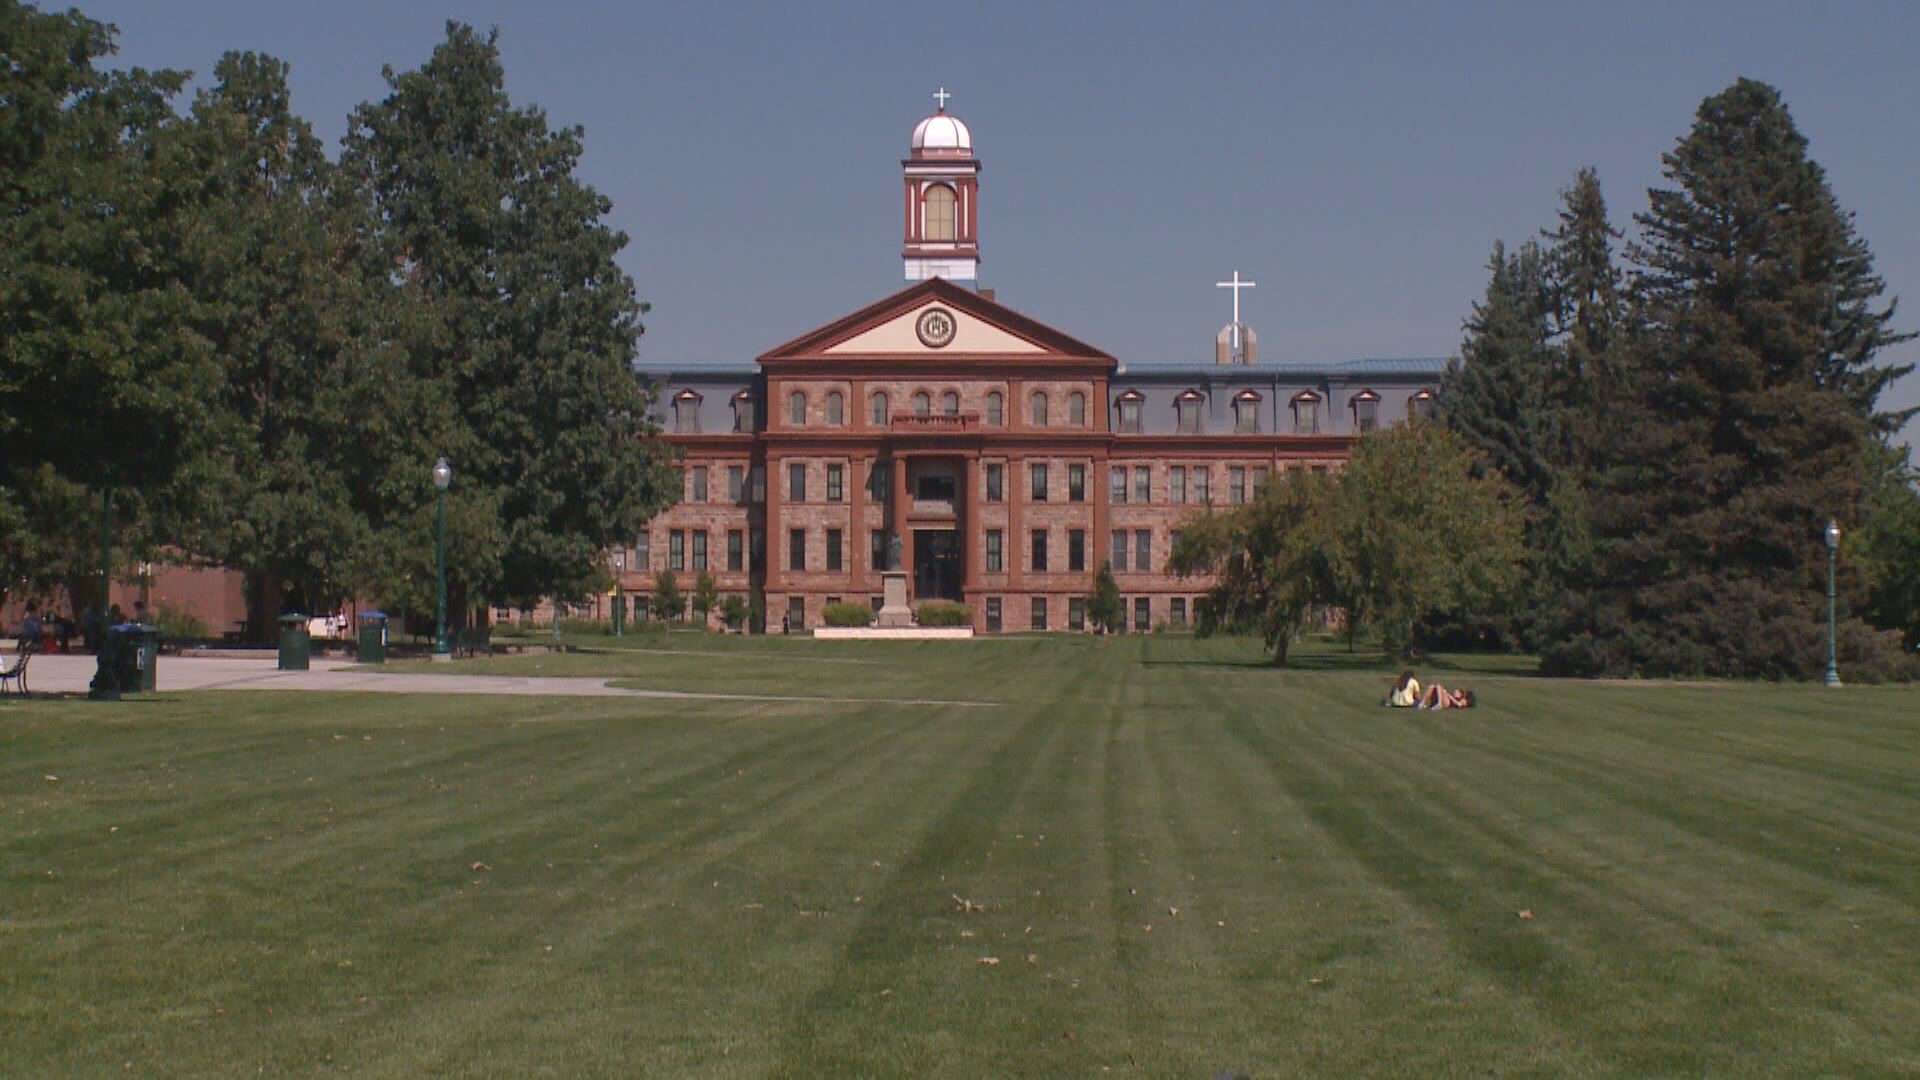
1357, 160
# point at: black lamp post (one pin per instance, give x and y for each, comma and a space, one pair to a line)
442, 476
1833, 549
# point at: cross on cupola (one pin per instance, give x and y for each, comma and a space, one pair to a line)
940, 97
1236, 342
942, 199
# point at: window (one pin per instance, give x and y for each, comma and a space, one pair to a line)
996, 409
1306, 414
1039, 550
797, 409
1237, 484
1177, 484
1202, 479
1177, 611
677, 550
1420, 406
796, 613
922, 404
1038, 408
836, 409
686, 413
833, 549
1037, 490
877, 481
1076, 483
1259, 479
743, 412
950, 403
939, 213
1366, 411
643, 551
1076, 549
1173, 541
996, 560
1119, 561
993, 614
878, 602
757, 482
1142, 551
1187, 408
1076, 613
756, 550
736, 483
1142, 614
1077, 409
700, 549
1246, 413
877, 414
934, 487
1117, 490
1142, 484
736, 551
877, 550
796, 549
797, 483
996, 482
1039, 613
1129, 408
836, 483
699, 483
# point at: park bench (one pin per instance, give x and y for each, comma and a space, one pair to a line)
17, 674
474, 639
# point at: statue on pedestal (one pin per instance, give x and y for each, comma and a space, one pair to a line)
893, 552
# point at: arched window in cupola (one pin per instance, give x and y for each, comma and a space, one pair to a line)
938, 208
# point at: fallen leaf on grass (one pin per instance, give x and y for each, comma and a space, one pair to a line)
479, 867
1527, 914
1033, 958
52, 779
989, 961
886, 993
1173, 912
965, 904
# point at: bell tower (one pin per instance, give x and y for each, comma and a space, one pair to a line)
942, 200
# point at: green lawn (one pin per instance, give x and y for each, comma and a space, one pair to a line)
1183, 861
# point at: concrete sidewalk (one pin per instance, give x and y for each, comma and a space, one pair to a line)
67, 674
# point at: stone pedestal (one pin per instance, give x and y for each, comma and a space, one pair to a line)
894, 611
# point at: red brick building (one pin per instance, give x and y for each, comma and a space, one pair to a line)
1010, 459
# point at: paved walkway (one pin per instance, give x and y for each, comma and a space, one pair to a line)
71, 674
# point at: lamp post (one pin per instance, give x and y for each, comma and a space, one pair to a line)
619, 601
1833, 549
442, 476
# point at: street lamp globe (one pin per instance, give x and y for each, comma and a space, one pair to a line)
442, 474
1833, 549
1833, 535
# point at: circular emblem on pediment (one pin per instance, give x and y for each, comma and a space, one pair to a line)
935, 328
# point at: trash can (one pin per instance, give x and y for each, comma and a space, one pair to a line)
295, 645
144, 643
373, 637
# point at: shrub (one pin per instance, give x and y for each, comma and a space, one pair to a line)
847, 613
178, 624
943, 613
734, 611
584, 626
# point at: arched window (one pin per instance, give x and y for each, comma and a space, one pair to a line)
743, 411
939, 211
1077, 409
1039, 408
879, 413
1420, 405
686, 413
797, 409
950, 403
1186, 408
996, 409
1246, 413
836, 408
1366, 411
922, 404
1306, 413
1127, 413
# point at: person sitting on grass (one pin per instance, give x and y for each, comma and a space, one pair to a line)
1406, 691
1439, 697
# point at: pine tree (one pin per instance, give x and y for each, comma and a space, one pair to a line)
1736, 431
706, 594
1586, 296
1104, 609
1496, 395
668, 603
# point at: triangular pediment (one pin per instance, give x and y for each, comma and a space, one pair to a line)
933, 320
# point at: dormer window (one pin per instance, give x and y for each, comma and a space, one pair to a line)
1420, 405
743, 417
1246, 413
1186, 408
939, 213
1366, 411
797, 409
686, 413
1306, 413
1128, 410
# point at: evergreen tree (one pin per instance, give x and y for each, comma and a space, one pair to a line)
1586, 298
668, 603
706, 594
1104, 609
1496, 395
517, 308
1738, 429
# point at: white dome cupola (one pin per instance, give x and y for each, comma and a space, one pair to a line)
942, 199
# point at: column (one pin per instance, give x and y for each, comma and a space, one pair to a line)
899, 517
